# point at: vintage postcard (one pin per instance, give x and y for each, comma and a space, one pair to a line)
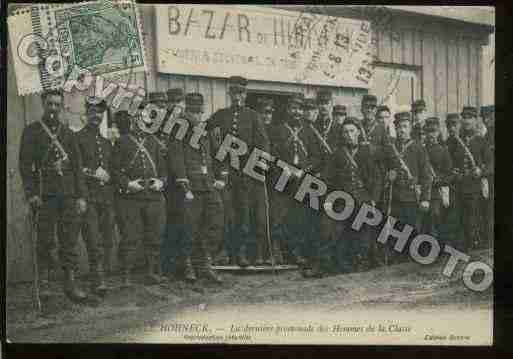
250, 174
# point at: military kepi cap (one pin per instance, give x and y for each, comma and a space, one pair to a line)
324, 96
157, 97
296, 99
418, 105
402, 116
340, 110
486, 110
452, 118
432, 122
96, 101
310, 103
469, 111
237, 83
194, 102
369, 100
175, 95
352, 121
382, 108
264, 102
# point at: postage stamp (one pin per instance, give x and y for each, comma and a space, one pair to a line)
53, 42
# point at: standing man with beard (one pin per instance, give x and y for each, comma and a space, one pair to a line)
244, 123
97, 226
191, 160
409, 173
488, 115
140, 175
353, 169
50, 168
472, 159
441, 163
418, 109
293, 143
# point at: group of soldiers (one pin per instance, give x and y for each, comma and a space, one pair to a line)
163, 187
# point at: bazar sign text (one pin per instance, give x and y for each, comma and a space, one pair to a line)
262, 43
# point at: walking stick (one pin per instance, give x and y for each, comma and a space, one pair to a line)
389, 211
267, 231
34, 224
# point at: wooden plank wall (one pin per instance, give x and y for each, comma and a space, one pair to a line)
449, 59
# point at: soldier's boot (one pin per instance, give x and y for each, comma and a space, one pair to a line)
205, 271
126, 281
107, 263
152, 277
315, 271
222, 258
188, 271
71, 288
259, 258
298, 258
98, 285
242, 260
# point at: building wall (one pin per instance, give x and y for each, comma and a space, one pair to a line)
447, 58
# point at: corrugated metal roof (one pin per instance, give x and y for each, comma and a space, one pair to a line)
484, 15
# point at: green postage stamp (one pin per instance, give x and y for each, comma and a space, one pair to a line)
53, 43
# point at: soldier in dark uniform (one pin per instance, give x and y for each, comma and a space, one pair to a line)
50, 168
409, 173
488, 115
418, 109
339, 114
325, 123
294, 143
471, 159
353, 169
172, 241
441, 163
199, 185
97, 226
140, 174
373, 133
245, 124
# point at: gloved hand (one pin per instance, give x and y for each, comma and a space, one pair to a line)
219, 185
81, 206
392, 175
157, 185
135, 185
424, 206
35, 202
102, 175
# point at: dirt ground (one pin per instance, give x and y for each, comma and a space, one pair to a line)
123, 314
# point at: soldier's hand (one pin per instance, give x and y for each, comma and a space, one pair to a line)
81, 206
287, 171
135, 186
392, 175
189, 196
35, 202
373, 203
328, 206
102, 175
157, 184
219, 185
477, 172
424, 206
300, 173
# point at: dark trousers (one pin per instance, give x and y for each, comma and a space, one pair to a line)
488, 217
470, 219
289, 220
97, 230
236, 200
142, 220
405, 213
259, 216
58, 213
203, 225
352, 247
173, 239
